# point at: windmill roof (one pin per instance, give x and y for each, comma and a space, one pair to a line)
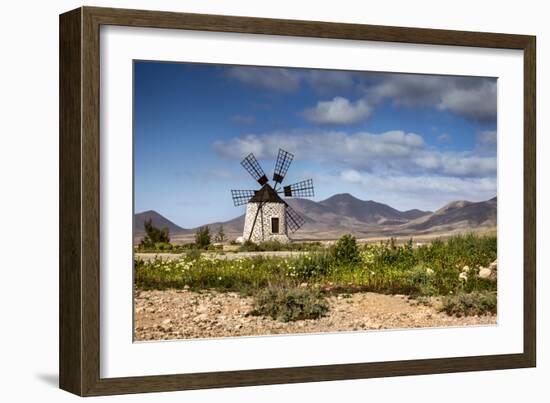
266, 194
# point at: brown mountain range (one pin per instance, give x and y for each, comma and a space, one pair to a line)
344, 213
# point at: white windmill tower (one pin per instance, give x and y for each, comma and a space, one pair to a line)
268, 217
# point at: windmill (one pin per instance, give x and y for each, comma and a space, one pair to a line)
268, 216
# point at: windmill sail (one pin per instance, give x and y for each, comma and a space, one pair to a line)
250, 163
284, 158
300, 189
293, 220
241, 197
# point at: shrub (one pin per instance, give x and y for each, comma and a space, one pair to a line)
163, 246
249, 246
220, 236
154, 235
203, 238
290, 304
346, 251
475, 303
194, 254
427, 270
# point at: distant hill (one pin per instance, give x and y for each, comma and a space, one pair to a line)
344, 213
369, 211
458, 214
158, 220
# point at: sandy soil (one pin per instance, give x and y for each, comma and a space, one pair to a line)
181, 314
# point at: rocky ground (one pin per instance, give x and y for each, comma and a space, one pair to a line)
182, 314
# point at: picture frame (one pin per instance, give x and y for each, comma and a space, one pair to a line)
80, 153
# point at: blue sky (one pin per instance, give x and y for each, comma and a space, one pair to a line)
410, 141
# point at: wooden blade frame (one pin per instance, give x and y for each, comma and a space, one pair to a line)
241, 197
300, 189
252, 166
294, 221
284, 159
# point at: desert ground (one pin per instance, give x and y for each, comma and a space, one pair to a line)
185, 314
227, 289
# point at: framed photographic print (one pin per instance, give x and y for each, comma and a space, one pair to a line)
249, 201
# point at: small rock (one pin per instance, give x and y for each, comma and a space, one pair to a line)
166, 321
201, 317
485, 272
466, 269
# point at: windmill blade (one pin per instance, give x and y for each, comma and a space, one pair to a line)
300, 189
284, 158
294, 221
241, 197
250, 163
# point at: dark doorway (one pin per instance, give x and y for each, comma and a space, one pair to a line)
274, 225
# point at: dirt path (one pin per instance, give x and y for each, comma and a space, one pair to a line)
181, 314
213, 255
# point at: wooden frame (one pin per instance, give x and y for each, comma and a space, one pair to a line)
79, 201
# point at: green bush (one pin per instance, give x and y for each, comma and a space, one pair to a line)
428, 270
203, 238
290, 304
249, 246
194, 254
475, 303
220, 236
154, 235
346, 250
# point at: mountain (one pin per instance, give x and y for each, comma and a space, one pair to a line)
369, 211
458, 214
158, 221
344, 213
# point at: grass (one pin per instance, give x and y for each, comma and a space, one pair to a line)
290, 304
274, 246
428, 270
475, 303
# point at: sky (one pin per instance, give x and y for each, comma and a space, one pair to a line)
406, 140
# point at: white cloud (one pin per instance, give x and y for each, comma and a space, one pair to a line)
388, 153
338, 111
478, 103
352, 149
351, 175
470, 97
415, 191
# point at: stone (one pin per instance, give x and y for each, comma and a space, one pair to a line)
485, 272
201, 317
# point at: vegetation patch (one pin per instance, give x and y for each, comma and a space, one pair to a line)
430, 270
292, 304
275, 246
472, 304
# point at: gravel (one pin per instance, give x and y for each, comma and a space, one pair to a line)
185, 314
